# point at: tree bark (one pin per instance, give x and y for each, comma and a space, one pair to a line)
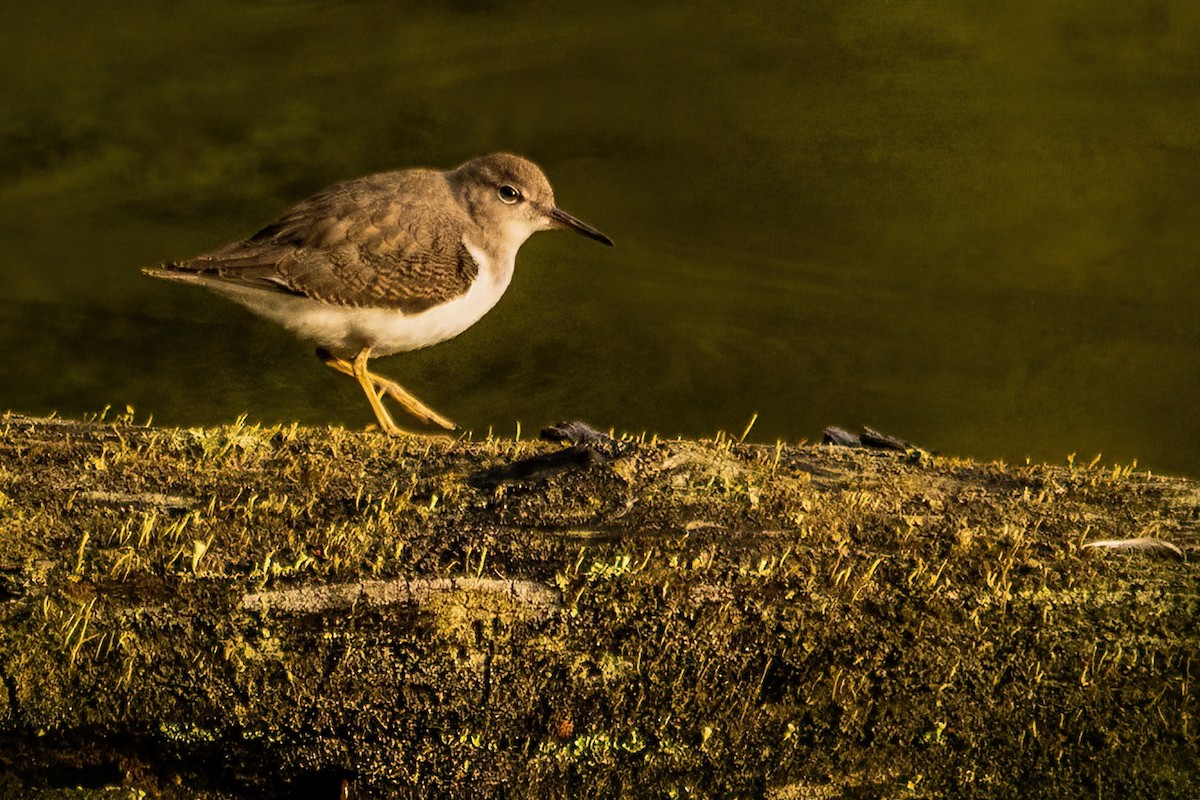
245, 612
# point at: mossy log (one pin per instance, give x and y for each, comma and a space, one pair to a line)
246, 612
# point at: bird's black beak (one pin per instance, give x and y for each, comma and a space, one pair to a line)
565, 220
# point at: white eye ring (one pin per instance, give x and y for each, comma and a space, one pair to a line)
508, 194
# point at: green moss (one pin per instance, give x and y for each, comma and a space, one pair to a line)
242, 606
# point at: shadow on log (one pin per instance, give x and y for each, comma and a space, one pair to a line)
269, 613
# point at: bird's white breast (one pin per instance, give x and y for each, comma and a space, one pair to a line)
344, 331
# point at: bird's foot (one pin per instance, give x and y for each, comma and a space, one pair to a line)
376, 387
409, 403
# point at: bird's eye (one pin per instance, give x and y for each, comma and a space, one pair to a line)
508, 194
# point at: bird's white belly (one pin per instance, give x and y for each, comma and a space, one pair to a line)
345, 331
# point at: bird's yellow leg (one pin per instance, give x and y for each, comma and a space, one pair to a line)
381, 386
411, 404
359, 370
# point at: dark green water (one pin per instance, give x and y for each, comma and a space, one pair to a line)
972, 225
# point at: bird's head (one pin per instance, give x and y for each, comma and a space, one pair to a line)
511, 195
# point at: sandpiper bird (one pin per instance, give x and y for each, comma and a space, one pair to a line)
388, 263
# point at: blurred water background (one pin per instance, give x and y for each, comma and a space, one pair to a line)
975, 226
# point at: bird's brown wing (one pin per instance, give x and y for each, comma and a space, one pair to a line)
380, 242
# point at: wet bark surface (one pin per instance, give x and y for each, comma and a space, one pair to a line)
242, 612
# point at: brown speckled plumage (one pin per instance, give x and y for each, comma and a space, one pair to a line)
374, 242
